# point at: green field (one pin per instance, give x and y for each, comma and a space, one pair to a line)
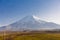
31, 36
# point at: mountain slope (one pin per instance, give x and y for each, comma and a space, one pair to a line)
31, 23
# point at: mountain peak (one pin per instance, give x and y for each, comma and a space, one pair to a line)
28, 18
32, 17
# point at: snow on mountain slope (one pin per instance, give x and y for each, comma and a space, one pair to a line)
31, 23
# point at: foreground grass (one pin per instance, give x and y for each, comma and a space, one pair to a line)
39, 37
32, 36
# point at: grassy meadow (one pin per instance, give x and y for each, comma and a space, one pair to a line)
30, 36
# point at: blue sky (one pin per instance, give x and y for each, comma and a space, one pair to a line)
13, 10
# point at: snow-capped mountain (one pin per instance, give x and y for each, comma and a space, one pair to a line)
31, 23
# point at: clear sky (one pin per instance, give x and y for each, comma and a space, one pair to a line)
13, 10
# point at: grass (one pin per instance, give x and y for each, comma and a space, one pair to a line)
39, 37
31, 36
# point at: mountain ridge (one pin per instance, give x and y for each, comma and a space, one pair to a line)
31, 23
